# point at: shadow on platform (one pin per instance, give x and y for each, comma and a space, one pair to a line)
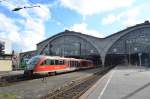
136, 91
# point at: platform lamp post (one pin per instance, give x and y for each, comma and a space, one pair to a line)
114, 54
129, 52
80, 48
135, 49
129, 42
140, 59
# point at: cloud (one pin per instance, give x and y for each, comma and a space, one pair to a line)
91, 7
42, 12
130, 16
109, 19
31, 38
82, 27
8, 29
28, 28
127, 18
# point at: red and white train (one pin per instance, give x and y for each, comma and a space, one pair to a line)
53, 64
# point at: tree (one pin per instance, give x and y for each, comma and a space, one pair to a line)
2, 47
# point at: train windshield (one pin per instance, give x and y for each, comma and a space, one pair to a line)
33, 60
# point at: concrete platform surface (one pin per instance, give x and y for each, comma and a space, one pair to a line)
122, 83
11, 73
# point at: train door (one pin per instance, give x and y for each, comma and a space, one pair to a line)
78, 64
71, 64
68, 63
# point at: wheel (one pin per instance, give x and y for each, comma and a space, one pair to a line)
52, 73
28, 73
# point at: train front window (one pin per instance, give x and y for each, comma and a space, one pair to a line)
33, 60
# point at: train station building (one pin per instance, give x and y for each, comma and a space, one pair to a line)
129, 46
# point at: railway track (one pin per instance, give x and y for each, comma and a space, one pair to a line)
76, 88
9, 80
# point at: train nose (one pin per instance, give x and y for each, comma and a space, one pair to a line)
30, 67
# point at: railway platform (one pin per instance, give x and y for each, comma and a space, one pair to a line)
123, 82
11, 73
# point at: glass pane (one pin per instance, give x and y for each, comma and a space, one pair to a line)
52, 62
56, 62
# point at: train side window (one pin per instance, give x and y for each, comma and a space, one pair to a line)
76, 63
61, 62
45, 62
73, 63
48, 62
52, 62
70, 63
56, 62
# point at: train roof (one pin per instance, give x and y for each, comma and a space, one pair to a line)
55, 57
58, 57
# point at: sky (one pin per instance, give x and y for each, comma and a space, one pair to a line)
100, 18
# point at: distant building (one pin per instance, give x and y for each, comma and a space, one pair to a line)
5, 45
5, 55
